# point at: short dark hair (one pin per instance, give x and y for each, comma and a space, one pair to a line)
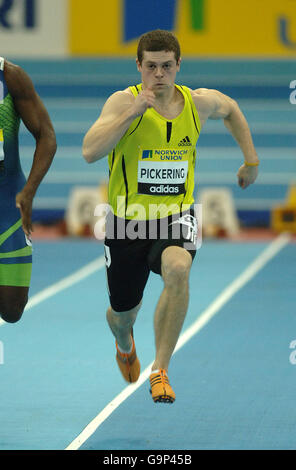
158, 40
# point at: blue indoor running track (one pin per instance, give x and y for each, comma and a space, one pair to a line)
234, 368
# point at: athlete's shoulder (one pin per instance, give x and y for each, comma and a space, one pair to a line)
120, 97
116, 103
205, 99
207, 95
198, 94
17, 80
12, 70
122, 94
201, 93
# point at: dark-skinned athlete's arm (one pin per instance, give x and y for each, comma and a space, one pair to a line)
36, 119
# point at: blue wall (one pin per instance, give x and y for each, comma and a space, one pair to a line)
74, 91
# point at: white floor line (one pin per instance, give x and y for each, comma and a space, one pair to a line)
271, 250
64, 283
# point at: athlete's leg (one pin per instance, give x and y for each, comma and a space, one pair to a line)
15, 253
121, 324
13, 300
15, 273
127, 275
173, 303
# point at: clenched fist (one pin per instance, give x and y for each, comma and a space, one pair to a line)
247, 175
143, 101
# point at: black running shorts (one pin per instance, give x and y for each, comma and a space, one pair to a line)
130, 256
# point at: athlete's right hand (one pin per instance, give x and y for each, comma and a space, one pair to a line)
24, 201
144, 100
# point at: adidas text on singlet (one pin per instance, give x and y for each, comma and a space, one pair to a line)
152, 166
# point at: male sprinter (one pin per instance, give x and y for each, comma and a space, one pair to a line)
19, 100
150, 131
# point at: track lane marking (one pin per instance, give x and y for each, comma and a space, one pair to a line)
252, 269
64, 283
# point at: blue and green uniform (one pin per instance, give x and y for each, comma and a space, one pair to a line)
15, 248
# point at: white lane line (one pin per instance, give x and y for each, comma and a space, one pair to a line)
64, 283
271, 250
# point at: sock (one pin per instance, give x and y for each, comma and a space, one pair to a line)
157, 371
124, 351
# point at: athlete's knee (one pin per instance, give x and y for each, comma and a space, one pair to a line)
12, 311
175, 269
123, 320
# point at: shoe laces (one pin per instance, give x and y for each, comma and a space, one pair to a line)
161, 376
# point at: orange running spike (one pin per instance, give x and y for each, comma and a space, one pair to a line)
160, 389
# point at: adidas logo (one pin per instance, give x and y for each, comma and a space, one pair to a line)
184, 142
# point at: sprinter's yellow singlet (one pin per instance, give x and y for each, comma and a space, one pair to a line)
153, 163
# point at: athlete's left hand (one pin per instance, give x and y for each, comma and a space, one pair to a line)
24, 202
247, 175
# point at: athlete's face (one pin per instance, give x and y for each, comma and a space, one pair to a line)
158, 70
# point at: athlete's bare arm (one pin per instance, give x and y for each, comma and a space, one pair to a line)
117, 114
36, 119
212, 104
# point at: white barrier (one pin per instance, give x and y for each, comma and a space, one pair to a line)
34, 28
218, 211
